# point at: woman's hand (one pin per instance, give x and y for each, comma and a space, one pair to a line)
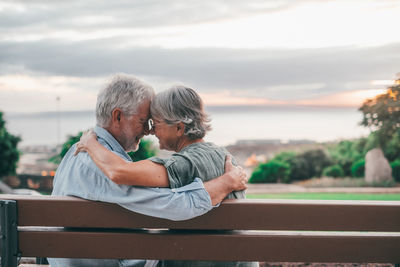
84, 143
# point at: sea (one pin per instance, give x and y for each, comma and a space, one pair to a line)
229, 124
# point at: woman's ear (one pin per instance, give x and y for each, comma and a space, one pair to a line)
180, 129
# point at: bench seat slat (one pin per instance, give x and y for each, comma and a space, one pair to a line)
237, 214
228, 246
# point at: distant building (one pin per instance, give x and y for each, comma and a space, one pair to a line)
34, 160
258, 142
301, 142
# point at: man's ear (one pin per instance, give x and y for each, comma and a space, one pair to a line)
180, 129
116, 116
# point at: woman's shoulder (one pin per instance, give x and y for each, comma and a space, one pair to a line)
203, 153
202, 146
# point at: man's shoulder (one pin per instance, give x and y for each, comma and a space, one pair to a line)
79, 176
73, 167
104, 143
82, 160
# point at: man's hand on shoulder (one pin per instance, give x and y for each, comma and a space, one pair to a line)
235, 175
234, 179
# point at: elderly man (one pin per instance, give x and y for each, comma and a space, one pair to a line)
122, 114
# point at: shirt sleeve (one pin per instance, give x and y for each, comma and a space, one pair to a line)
175, 204
179, 168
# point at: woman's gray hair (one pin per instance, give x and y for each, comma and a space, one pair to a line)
182, 104
125, 92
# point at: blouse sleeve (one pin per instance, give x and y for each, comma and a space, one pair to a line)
179, 168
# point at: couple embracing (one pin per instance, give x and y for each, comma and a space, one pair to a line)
198, 176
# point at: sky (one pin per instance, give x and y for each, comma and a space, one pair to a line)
270, 52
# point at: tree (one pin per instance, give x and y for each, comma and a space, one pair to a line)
72, 139
392, 148
382, 114
333, 171
9, 154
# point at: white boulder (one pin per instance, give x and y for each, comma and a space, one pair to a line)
377, 168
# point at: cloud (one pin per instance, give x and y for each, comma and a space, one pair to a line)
258, 72
189, 23
121, 13
85, 41
353, 98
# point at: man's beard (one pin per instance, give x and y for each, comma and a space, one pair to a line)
130, 145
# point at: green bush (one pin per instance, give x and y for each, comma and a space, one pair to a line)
396, 170
146, 150
358, 168
316, 160
257, 176
346, 152
298, 167
333, 171
271, 172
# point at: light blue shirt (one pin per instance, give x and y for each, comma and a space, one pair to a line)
79, 176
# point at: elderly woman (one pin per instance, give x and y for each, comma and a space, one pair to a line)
180, 124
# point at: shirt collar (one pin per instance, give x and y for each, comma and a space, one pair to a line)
111, 141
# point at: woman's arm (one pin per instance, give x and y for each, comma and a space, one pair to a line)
141, 173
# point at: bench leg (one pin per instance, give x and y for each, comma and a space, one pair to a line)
41, 261
8, 233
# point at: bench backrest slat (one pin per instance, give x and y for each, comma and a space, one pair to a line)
378, 216
289, 247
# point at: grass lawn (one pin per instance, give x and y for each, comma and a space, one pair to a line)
326, 196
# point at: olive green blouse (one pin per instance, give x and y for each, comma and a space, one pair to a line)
205, 161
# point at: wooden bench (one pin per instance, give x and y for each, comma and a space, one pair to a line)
239, 230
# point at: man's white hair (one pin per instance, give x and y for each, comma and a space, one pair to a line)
125, 92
